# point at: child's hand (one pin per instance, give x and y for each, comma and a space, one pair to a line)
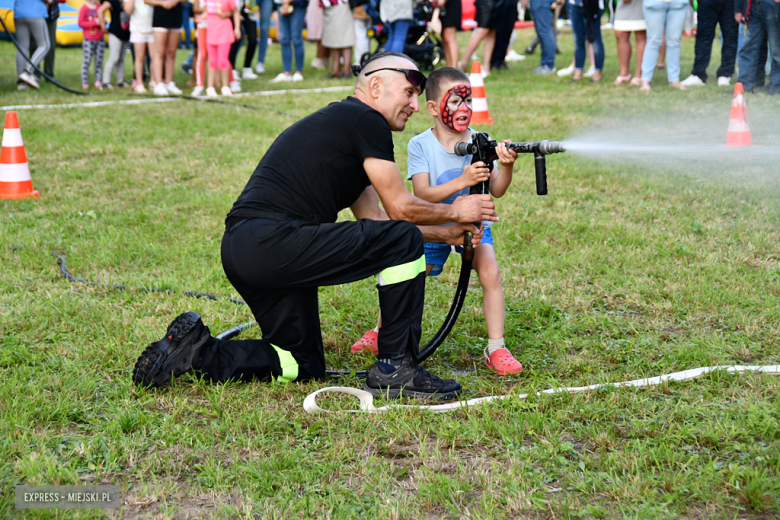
475, 173
505, 156
237, 32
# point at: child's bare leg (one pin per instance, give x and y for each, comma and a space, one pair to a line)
497, 356
212, 80
138, 64
492, 293
225, 77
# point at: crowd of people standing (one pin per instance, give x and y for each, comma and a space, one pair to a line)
151, 29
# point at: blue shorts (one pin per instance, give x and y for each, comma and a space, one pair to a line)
437, 254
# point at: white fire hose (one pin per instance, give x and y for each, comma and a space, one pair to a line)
367, 400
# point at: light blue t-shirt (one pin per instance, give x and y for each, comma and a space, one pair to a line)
30, 9
427, 155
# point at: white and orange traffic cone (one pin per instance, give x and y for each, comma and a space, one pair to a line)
15, 180
739, 131
479, 104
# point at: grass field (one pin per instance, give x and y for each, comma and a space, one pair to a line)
623, 271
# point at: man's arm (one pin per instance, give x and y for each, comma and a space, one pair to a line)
402, 205
367, 206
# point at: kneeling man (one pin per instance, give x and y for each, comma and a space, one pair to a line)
282, 242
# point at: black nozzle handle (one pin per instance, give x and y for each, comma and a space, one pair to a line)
541, 173
468, 247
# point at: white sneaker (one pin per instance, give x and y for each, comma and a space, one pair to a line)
22, 86
226, 91
297, 76
485, 72
198, 91
160, 90
211, 92
173, 89
29, 79
260, 68
591, 71
236, 75
692, 81
568, 71
474, 57
723, 81
248, 74
235, 86
514, 56
282, 77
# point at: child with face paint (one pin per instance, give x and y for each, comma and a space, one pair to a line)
439, 175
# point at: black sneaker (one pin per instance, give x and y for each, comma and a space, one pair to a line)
410, 380
174, 353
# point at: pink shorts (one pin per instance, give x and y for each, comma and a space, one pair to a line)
218, 56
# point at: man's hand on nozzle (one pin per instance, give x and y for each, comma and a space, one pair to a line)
475, 173
473, 208
506, 156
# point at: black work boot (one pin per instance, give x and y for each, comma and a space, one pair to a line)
174, 353
410, 380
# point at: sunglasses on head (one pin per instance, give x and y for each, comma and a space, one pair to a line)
415, 77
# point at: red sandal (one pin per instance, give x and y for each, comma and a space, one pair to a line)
369, 341
503, 362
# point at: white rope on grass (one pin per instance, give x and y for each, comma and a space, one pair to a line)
93, 103
367, 400
293, 91
174, 98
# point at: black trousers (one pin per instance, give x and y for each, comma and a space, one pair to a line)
712, 13
250, 29
277, 267
503, 35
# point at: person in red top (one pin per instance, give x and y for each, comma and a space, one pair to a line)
93, 42
220, 34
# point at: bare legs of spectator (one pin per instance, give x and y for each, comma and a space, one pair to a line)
164, 55
336, 56
450, 44
624, 55
479, 34
138, 66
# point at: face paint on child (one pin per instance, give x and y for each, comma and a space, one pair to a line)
455, 108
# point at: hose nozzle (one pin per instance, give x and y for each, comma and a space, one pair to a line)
548, 147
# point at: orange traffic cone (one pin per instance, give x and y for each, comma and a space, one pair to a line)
481, 114
739, 131
15, 181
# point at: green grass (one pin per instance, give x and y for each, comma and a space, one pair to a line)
623, 271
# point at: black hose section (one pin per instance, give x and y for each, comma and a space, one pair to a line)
452, 315
39, 71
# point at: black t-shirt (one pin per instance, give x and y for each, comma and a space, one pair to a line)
120, 21
315, 167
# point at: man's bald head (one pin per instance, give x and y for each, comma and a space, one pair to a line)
389, 92
381, 60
